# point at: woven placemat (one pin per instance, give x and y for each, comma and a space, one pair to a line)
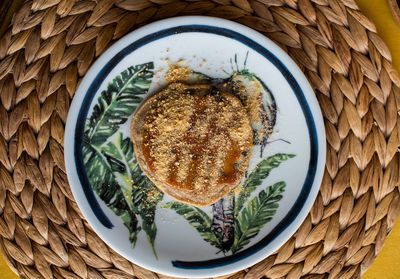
394, 6
52, 43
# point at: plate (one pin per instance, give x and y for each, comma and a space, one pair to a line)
150, 228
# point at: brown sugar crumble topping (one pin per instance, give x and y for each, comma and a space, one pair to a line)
193, 141
177, 73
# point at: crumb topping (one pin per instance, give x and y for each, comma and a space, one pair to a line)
196, 137
177, 73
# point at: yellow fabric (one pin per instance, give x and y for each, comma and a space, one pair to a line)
379, 12
387, 264
5, 271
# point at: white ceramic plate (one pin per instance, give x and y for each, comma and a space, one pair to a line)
151, 229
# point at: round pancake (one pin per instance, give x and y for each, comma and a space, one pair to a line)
193, 142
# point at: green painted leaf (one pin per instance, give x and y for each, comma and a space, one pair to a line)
118, 102
109, 159
146, 207
198, 219
256, 214
255, 178
105, 185
141, 194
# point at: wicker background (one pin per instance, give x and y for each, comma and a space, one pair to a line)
395, 9
51, 45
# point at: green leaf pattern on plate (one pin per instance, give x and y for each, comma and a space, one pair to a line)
117, 179
109, 158
248, 218
256, 214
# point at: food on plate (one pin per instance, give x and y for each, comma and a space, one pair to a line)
193, 141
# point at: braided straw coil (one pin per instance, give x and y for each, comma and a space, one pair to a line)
52, 43
394, 6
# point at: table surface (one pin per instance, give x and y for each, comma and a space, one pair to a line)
386, 265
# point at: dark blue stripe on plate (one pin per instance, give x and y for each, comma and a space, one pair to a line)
296, 208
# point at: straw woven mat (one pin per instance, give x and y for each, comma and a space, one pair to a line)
50, 46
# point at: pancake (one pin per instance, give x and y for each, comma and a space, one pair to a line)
193, 141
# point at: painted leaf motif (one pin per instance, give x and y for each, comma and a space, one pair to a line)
198, 219
105, 185
118, 102
141, 194
258, 212
109, 159
256, 177
230, 230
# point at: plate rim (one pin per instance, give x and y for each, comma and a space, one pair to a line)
299, 77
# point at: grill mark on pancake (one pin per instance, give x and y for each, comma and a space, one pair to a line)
196, 139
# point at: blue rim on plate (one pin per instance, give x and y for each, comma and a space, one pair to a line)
260, 49
296, 208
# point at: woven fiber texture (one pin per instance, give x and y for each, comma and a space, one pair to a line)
395, 8
49, 48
